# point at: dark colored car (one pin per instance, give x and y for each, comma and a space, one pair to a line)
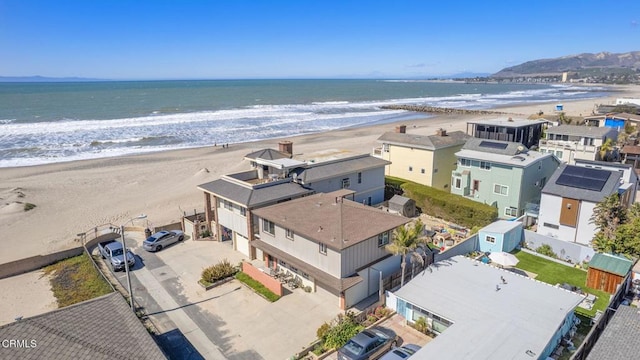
368, 344
162, 239
401, 353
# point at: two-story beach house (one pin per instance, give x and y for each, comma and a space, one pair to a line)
426, 160
329, 243
569, 197
525, 132
502, 174
570, 142
274, 177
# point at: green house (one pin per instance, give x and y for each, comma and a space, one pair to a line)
502, 174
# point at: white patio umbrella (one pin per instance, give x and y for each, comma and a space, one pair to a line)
504, 258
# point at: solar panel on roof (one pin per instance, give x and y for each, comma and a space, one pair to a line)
583, 178
493, 145
586, 172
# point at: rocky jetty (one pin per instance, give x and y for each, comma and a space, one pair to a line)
441, 110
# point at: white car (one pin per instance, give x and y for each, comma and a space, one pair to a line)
162, 239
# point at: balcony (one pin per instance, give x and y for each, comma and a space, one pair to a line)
377, 152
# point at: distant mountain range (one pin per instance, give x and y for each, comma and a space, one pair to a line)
44, 79
581, 65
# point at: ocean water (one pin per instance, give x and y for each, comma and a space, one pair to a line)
53, 122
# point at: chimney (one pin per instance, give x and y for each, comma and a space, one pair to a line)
510, 119
286, 146
441, 132
401, 129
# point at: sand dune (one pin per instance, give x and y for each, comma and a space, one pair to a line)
76, 196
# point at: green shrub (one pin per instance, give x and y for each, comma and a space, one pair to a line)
29, 206
447, 206
421, 325
218, 271
545, 249
322, 330
318, 349
344, 329
205, 233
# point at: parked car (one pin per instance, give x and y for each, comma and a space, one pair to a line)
368, 344
162, 239
401, 353
112, 250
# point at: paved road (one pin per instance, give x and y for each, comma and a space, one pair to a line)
183, 327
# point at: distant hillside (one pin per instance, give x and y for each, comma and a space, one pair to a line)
38, 78
582, 65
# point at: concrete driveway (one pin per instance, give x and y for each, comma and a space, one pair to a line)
229, 321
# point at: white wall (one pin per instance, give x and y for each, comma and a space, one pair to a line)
358, 292
303, 249
372, 185
242, 244
586, 229
550, 207
232, 219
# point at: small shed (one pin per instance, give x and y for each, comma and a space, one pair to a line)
403, 206
607, 271
500, 236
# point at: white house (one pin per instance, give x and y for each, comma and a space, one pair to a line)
569, 198
571, 142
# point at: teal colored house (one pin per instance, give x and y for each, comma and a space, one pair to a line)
501, 235
502, 174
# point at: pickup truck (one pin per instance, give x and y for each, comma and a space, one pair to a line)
112, 250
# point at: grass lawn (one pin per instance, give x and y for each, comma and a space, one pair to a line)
257, 286
75, 280
554, 273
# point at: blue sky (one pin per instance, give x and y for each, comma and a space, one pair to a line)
301, 39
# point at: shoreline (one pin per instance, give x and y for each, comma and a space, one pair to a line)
76, 196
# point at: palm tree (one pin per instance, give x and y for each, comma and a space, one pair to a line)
405, 241
605, 149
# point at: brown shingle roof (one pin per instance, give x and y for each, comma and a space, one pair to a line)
338, 224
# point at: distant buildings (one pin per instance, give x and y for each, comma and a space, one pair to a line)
502, 174
426, 160
571, 142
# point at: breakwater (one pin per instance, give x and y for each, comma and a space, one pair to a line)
441, 110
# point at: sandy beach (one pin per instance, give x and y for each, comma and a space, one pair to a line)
75, 197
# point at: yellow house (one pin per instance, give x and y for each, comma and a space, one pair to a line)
427, 160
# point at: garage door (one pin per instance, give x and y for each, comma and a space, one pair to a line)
242, 243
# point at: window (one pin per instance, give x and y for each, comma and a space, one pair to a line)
323, 248
289, 234
476, 185
511, 211
359, 178
553, 226
485, 165
490, 239
500, 189
465, 162
268, 227
422, 171
559, 154
227, 205
385, 147
243, 211
346, 183
383, 239
410, 168
369, 200
457, 183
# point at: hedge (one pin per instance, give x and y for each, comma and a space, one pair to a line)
444, 205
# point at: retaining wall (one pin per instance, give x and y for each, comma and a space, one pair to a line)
25, 265
270, 283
